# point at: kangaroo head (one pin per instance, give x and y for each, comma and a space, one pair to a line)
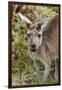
34, 37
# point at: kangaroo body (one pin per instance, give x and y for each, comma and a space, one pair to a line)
48, 50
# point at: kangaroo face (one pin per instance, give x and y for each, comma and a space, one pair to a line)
34, 39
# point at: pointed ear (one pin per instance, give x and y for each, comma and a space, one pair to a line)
48, 23
25, 20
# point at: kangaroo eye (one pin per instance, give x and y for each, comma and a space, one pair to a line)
28, 34
39, 35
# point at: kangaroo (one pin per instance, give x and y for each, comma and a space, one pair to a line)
42, 43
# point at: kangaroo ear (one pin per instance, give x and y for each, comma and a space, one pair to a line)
48, 23
25, 20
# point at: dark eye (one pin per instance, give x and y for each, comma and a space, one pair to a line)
28, 34
39, 35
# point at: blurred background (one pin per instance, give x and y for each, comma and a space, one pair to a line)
23, 70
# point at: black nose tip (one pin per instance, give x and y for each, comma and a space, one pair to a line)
33, 45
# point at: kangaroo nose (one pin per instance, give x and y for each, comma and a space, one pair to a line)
33, 45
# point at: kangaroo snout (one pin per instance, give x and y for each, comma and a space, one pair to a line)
33, 47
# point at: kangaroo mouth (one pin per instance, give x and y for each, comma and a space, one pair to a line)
33, 49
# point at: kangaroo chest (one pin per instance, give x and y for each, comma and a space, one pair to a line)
36, 56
